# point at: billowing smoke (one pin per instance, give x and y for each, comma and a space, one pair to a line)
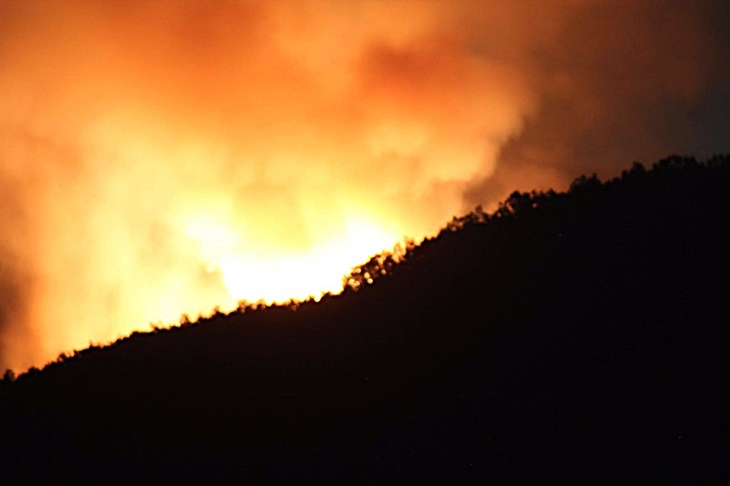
160, 158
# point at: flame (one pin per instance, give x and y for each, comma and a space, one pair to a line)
275, 277
268, 275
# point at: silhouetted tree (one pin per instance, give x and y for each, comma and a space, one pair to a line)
8, 376
584, 184
579, 332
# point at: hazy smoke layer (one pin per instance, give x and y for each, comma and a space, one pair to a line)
166, 157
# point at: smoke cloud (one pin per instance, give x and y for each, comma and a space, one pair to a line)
160, 158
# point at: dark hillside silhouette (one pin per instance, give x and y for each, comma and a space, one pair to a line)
578, 335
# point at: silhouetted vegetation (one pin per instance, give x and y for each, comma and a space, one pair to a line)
578, 335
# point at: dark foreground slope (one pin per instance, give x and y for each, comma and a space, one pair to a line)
578, 335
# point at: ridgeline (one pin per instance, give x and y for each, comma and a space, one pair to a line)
579, 335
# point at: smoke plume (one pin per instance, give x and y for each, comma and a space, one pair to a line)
160, 158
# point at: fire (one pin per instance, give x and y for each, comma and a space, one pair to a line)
167, 159
267, 275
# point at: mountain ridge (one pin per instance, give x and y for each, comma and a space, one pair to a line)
566, 333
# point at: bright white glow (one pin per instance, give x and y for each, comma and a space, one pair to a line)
275, 277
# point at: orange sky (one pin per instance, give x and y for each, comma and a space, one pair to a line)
159, 158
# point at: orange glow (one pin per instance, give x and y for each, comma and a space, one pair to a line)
174, 157
168, 157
